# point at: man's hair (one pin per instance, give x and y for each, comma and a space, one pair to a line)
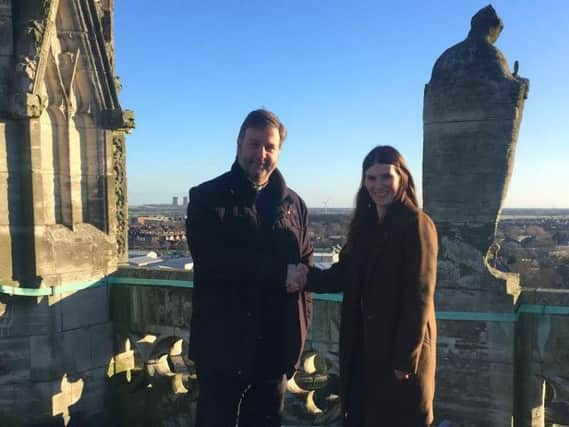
262, 119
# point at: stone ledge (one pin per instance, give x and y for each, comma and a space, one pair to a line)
146, 273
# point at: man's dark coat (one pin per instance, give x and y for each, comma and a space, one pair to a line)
241, 240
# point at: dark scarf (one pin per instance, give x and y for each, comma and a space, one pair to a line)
266, 199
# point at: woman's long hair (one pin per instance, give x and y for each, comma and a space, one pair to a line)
365, 214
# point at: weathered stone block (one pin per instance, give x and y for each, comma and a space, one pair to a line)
94, 399
101, 345
80, 254
120, 305
6, 8
477, 340
75, 397
46, 357
76, 350
43, 204
325, 322
474, 392
3, 149
85, 308
4, 211
449, 200
7, 405
474, 300
77, 255
170, 306
25, 317
49, 398
44, 252
6, 42
5, 255
14, 360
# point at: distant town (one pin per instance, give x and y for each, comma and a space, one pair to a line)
531, 242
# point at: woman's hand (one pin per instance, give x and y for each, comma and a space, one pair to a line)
401, 376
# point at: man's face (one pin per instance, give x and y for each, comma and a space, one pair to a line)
258, 153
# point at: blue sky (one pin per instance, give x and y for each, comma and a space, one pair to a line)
343, 77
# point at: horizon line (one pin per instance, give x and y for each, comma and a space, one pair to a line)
350, 207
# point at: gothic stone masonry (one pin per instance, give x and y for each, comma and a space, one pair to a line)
153, 381
62, 205
472, 113
154, 384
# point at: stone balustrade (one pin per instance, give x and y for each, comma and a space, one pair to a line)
154, 382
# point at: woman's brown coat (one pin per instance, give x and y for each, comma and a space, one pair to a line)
393, 295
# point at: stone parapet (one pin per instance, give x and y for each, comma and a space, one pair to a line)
118, 351
471, 117
152, 327
54, 355
542, 385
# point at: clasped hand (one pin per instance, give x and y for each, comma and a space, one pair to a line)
296, 278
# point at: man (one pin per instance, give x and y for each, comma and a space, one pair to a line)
247, 232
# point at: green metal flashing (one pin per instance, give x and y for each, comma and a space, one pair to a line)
477, 316
52, 290
559, 310
328, 297
24, 292
534, 309
150, 282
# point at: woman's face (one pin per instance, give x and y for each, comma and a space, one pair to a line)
382, 182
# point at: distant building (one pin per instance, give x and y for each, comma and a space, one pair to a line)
175, 201
185, 263
149, 220
134, 253
143, 261
150, 259
185, 201
324, 260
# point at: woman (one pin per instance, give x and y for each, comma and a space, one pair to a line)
387, 271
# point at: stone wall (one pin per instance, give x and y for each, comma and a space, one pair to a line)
153, 381
542, 349
54, 353
472, 112
492, 366
61, 134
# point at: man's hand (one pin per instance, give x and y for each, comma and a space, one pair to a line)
296, 278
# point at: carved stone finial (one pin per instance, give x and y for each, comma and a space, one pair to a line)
472, 112
486, 24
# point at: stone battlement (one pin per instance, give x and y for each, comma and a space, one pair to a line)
133, 350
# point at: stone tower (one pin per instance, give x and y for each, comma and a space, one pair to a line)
62, 204
472, 113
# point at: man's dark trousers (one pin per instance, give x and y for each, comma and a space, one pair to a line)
257, 402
